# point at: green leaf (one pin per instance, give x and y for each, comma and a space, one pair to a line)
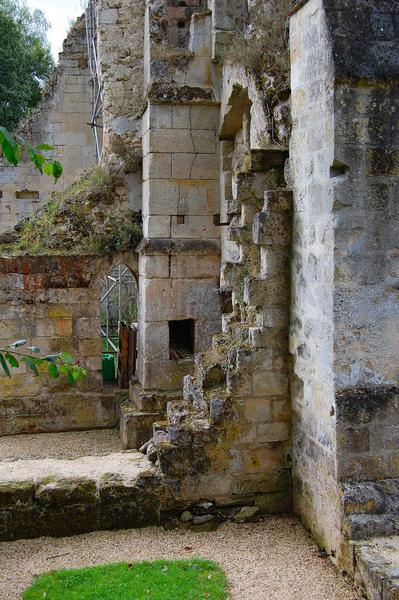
53, 370
65, 357
31, 364
70, 377
48, 169
12, 360
44, 147
51, 357
9, 153
57, 169
4, 365
34, 349
18, 344
6, 135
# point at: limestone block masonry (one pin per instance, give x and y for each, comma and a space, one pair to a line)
62, 120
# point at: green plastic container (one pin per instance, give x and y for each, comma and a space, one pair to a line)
108, 367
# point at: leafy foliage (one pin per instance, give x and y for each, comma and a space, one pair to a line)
159, 580
13, 149
11, 357
25, 60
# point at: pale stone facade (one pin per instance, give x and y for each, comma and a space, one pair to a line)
267, 270
62, 120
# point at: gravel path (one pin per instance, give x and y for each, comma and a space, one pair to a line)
67, 445
271, 560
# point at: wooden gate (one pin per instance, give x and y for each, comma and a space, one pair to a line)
127, 354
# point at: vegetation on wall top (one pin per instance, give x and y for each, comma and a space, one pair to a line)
263, 47
89, 217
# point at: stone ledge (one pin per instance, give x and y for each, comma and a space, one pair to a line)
149, 247
66, 497
163, 93
377, 567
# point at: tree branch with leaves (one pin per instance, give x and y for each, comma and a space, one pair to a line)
14, 148
12, 357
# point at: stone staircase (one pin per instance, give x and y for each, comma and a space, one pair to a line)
140, 412
228, 436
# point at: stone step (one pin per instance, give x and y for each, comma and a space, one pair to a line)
208, 371
377, 567
154, 401
370, 508
136, 426
250, 187
63, 497
236, 232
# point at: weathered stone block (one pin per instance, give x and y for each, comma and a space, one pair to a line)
64, 492
273, 432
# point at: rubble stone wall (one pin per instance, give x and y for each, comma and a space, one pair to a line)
120, 54
61, 121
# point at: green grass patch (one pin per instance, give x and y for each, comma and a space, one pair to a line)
195, 579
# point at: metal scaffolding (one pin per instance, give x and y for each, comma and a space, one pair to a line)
97, 87
110, 283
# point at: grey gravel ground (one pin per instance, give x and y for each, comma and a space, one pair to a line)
271, 560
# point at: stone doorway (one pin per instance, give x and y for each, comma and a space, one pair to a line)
119, 324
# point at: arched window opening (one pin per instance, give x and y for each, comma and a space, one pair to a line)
119, 297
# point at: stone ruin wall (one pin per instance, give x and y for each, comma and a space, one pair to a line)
54, 303
345, 311
62, 120
292, 397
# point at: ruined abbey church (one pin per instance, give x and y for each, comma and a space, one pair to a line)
243, 165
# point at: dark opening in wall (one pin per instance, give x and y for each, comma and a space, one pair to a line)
338, 169
27, 195
226, 302
1, 194
181, 23
181, 339
180, 219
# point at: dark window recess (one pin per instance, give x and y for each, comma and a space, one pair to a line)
1, 194
181, 23
338, 169
27, 195
226, 301
180, 219
181, 339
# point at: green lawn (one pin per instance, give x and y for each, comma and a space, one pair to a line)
194, 579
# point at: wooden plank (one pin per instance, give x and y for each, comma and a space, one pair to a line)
132, 352
123, 356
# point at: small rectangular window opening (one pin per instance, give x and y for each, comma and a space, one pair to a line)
181, 339
27, 195
226, 300
180, 219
